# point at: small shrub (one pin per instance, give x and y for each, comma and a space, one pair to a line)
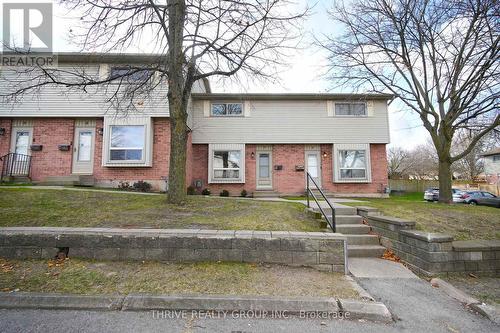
191, 190
243, 193
224, 193
205, 192
124, 186
142, 186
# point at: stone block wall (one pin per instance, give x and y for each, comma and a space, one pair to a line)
434, 253
325, 251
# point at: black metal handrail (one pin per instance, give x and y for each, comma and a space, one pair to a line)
15, 165
331, 221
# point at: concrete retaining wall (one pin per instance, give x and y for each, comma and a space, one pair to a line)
325, 251
434, 253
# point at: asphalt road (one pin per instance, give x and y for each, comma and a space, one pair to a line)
416, 306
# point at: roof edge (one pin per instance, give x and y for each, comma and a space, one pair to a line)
291, 96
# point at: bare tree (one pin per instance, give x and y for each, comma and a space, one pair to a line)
440, 58
193, 39
472, 165
423, 162
398, 162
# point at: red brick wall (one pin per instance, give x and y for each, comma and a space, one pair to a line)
153, 174
200, 171
50, 161
287, 180
378, 169
5, 139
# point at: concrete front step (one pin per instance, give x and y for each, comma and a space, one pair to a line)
362, 240
353, 229
373, 251
17, 179
265, 194
343, 210
72, 180
347, 219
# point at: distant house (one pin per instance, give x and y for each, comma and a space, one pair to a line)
492, 165
263, 143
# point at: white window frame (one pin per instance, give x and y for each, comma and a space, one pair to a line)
242, 114
336, 163
147, 152
226, 147
349, 115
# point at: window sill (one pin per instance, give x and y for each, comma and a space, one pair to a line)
226, 181
127, 165
352, 180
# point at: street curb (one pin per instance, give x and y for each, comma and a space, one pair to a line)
488, 311
59, 301
291, 305
330, 307
374, 311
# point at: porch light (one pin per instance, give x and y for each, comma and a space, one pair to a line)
100, 131
252, 155
325, 154
2, 131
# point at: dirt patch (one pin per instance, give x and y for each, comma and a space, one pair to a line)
92, 277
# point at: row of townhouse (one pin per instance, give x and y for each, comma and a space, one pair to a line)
263, 143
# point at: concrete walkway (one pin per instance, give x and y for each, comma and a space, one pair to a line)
413, 302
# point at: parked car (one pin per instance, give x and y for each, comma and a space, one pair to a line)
432, 194
481, 198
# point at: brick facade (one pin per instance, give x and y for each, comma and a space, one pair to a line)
50, 132
288, 180
156, 174
5, 138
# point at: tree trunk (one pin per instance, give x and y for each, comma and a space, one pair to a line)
445, 195
177, 103
178, 142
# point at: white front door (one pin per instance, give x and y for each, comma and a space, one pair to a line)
20, 144
313, 166
264, 170
83, 151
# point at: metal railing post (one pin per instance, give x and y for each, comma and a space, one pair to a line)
307, 189
331, 222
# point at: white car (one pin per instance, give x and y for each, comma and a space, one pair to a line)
432, 194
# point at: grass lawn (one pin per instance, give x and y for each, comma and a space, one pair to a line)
460, 220
70, 208
106, 277
485, 289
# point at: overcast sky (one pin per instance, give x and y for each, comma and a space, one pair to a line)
303, 73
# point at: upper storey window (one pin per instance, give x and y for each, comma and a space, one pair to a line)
130, 75
226, 109
350, 109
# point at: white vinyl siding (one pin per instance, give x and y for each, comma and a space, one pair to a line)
351, 163
58, 101
226, 163
127, 142
301, 122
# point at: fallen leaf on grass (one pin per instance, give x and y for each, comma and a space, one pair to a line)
6, 266
473, 275
390, 255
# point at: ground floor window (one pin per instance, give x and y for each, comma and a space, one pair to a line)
351, 163
127, 141
226, 163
